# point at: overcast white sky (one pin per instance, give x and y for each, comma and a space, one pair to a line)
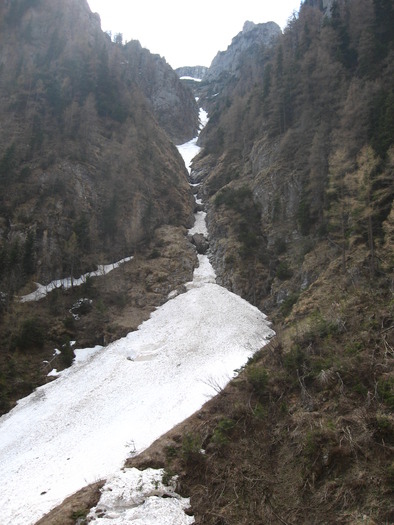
187, 33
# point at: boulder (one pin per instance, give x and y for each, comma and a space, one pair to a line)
200, 242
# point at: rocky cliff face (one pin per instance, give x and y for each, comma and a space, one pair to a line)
251, 36
86, 172
324, 5
192, 71
171, 101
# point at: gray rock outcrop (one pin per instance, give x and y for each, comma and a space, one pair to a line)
252, 35
192, 71
171, 101
200, 242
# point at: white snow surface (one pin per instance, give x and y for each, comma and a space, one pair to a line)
117, 400
134, 496
191, 78
76, 429
190, 149
200, 226
43, 289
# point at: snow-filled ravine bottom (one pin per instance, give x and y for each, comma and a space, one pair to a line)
117, 400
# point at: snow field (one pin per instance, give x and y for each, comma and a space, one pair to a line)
75, 430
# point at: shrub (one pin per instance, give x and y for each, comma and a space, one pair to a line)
237, 199
386, 391
191, 447
283, 271
69, 323
67, 354
288, 303
220, 435
390, 475
167, 477
280, 246
295, 359
304, 216
258, 378
260, 411
31, 335
155, 254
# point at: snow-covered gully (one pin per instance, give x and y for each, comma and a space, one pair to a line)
43, 290
116, 400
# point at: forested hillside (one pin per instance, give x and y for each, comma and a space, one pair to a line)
74, 140
304, 140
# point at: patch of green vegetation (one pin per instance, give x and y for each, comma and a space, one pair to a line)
354, 347
171, 452
320, 328
167, 477
257, 376
304, 216
155, 254
80, 516
288, 303
230, 260
295, 359
284, 272
67, 354
191, 447
31, 334
260, 411
316, 439
360, 388
221, 433
390, 475
280, 246
234, 198
69, 323
386, 391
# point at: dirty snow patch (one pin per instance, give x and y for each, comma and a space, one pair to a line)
134, 496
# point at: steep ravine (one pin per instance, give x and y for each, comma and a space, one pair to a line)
115, 394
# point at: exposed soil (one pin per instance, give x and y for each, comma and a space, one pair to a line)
74, 508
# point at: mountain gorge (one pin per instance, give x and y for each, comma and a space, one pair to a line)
296, 172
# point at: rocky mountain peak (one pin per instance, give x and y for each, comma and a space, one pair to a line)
251, 35
248, 26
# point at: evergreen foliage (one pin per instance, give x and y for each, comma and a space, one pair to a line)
316, 109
